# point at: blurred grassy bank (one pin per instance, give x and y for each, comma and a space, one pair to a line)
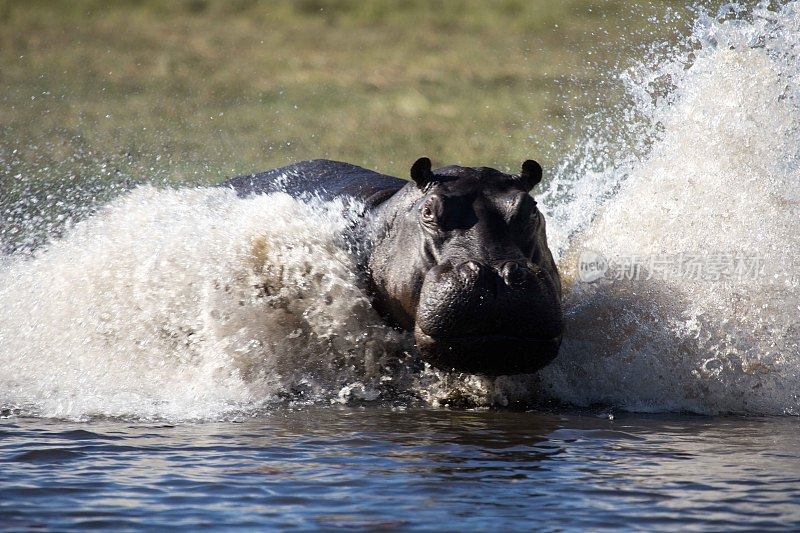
196, 90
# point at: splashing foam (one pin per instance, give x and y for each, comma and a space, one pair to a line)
189, 304
196, 304
722, 175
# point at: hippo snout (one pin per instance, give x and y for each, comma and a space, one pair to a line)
498, 318
510, 272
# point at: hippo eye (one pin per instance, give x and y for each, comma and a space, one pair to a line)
427, 214
429, 211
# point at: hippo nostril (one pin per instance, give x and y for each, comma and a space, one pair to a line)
472, 265
469, 269
509, 267
512, 273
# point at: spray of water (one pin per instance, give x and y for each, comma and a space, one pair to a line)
196, 304
720, 179
190, 304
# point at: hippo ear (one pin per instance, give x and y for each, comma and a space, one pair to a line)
531, 174
421, 172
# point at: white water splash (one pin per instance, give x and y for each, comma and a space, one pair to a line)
722, 175
188, 304
196, 304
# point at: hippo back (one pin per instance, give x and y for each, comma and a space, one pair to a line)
321, 178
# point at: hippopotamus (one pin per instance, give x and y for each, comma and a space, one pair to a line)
457, 255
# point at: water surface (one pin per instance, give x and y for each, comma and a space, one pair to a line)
378, 468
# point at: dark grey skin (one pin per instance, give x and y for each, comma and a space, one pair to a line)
459, 257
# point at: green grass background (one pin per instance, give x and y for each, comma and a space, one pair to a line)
196, 90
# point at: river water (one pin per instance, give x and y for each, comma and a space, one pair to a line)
186, 357
378, 468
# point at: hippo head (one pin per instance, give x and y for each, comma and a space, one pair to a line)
461, 259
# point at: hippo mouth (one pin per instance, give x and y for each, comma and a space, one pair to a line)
490, 354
